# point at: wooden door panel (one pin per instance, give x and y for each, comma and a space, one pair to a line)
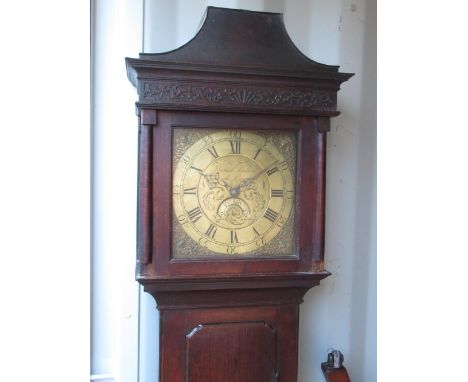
231, 352
232, 344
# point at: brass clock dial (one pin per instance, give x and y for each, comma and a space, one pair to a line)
233, 191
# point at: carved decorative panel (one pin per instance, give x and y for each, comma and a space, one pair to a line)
205, 94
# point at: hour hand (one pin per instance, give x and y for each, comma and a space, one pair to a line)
214, 180
211, 179
233, 191
226, 184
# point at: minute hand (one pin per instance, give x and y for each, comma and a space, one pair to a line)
247, 181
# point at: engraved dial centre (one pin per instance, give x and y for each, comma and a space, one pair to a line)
234, 191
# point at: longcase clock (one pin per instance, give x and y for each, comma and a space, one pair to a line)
231, 195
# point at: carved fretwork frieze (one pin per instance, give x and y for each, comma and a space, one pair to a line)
213, 95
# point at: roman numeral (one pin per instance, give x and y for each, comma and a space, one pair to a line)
213, 152
194, 214
277, 193
190, 191
197, 169
256, 232
270, 215
272, 170
211, 231
256, 154
234, 237
283, 165
235, 146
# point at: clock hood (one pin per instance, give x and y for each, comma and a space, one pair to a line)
252, 49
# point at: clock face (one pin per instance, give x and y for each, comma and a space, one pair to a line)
233, 191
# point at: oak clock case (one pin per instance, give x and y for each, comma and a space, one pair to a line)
231, 195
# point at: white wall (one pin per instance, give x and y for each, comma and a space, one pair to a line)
344, 306
117, 32
341, 312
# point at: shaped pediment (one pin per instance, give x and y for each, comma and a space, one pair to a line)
239, 59
242, 39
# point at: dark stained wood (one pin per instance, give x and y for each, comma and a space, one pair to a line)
225, 319
224, 352
281, 320
318, 239
145, 206
242, 39
335, 375
239, 60
252, 293
310, 190
149, 117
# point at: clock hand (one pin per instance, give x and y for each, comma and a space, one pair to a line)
248, 181
213, 179
226, 185
235, 191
